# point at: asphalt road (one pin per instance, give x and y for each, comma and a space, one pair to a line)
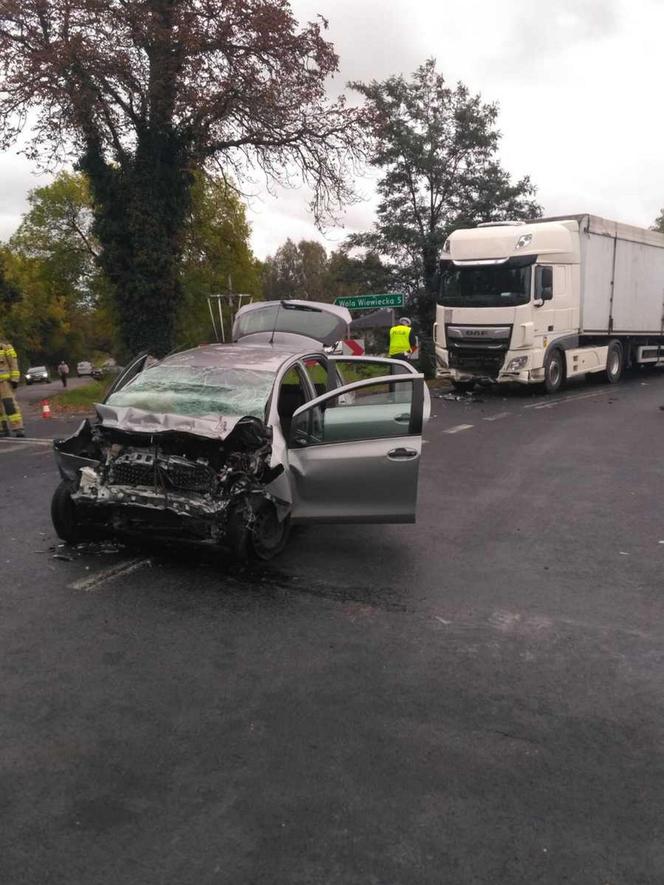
475, 699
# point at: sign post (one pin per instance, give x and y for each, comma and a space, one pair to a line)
371, 302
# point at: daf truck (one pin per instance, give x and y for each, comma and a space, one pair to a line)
542, 301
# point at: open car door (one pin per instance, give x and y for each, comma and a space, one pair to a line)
354, 452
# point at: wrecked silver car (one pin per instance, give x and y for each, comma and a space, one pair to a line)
232, 444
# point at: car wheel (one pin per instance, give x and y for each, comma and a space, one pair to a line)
63, 515
463, 386
267, 535
554, 371
615, 363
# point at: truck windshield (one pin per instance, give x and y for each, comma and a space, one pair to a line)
493, 286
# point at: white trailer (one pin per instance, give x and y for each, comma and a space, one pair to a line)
546, 300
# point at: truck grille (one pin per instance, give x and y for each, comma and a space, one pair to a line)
485, 357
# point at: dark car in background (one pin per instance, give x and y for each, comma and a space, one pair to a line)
37, 374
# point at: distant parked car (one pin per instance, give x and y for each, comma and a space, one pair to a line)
36, 374
84, 368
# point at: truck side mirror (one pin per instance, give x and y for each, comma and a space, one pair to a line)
544, 283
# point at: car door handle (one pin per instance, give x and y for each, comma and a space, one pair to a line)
402, 454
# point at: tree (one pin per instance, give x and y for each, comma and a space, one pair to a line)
56, 252
436, 147
296, 271
143, 93
357, 275
57, 230
217, 255
51, 259
659, 223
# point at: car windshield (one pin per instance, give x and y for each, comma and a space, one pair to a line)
493, 286
320, 325
198, 391
36, 369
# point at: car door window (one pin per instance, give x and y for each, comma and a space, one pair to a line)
354, 369
318, 373
292, 395
376, 409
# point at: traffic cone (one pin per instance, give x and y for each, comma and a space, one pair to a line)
46, 409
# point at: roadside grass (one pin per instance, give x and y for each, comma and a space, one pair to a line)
80, 399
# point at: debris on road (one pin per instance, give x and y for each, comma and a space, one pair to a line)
458, 397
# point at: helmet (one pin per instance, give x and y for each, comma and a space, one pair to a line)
404, 321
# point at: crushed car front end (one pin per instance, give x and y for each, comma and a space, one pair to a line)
199, 476
170, 482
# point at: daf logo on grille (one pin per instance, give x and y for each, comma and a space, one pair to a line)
476, 333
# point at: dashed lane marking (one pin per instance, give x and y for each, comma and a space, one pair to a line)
459, 428
565, 399
26, 440
497, 417
109, 574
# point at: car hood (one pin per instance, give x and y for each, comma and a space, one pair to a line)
132, 420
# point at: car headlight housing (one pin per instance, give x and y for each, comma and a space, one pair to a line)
518, 363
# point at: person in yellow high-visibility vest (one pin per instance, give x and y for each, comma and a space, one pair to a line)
402, 340
10, 415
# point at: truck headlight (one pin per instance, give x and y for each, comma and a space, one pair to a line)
518, 363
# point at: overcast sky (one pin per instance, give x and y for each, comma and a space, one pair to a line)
578, 83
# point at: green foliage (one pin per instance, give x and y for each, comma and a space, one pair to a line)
296, 271
55, 297
216, 257
61, 307
304, 270
659, 223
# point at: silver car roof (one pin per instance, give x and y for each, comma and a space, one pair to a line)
259, 357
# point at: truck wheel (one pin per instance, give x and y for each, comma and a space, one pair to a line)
554, 372
615, 362
64, 517
463, 386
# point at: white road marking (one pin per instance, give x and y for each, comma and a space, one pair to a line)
459, 428
117, 571
497, 417
6, 449
565, 399
23, 440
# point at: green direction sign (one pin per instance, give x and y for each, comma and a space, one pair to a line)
371, 302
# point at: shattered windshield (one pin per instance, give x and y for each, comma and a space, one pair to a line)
198, 391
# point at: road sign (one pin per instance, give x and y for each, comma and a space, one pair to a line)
353, 347
371, 302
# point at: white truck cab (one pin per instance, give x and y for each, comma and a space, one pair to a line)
542, 301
